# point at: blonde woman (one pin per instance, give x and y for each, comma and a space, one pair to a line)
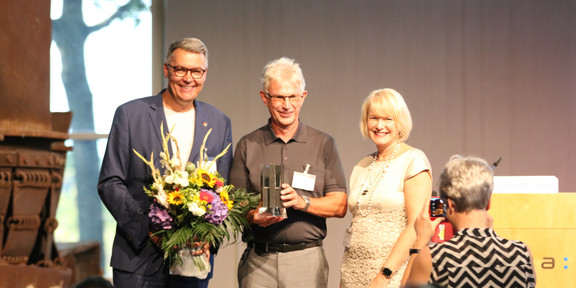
387, 191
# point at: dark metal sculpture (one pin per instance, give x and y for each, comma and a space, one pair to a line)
32, 150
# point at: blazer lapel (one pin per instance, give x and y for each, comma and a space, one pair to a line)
158, 118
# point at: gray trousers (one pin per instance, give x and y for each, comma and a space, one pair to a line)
306, 268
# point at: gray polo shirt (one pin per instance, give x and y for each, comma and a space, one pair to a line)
308, 146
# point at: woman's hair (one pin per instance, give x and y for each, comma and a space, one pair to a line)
468, 182
390, 103
283, 68
193, 45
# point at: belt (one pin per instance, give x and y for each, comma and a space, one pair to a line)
282, 247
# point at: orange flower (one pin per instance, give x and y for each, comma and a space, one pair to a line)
205, 196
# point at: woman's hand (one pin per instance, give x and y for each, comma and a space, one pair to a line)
425, 228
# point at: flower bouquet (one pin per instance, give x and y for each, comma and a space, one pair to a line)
191, 204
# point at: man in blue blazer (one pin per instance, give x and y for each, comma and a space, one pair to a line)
135, 260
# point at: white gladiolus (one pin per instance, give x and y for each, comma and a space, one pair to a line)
195, 209
182, 179
162, 198
182, 182
175, 162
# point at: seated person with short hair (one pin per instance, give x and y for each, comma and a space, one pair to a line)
476, 256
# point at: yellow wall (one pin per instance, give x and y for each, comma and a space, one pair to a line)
547, 224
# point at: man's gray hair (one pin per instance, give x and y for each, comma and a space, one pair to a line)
193, 45
282, 69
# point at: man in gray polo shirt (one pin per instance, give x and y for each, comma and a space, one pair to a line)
287, 252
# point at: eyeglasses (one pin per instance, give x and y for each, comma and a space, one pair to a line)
182, 71
276, 100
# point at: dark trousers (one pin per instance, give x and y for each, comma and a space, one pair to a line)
125, 279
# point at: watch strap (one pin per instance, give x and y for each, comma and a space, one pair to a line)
307, 200
387, 272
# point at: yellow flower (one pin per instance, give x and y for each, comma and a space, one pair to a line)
175, 198
200, 202
195, 180
226, 199
206, 177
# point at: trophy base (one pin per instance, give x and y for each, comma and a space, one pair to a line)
273, 212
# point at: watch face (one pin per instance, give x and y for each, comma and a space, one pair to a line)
387, 272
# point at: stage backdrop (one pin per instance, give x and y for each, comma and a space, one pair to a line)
489, 78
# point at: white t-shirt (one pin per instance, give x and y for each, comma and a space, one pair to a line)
182, 124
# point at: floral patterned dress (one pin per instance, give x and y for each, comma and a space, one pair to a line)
374, 231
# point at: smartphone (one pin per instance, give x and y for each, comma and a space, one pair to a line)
437, 208
444, 231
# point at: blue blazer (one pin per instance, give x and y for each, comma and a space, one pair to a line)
136, 126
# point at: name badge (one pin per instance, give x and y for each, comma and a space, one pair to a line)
303, 180
213, 169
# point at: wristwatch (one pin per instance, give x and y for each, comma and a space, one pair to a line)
387, 272
307, 200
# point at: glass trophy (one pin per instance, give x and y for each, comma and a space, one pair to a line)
272, 177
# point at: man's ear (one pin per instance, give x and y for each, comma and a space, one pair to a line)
263, 96
489, 202
165, 70
450, 205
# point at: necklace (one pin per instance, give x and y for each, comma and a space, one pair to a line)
373, 179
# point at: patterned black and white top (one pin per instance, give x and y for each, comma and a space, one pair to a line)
477, 257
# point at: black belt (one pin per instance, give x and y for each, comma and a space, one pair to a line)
282, 247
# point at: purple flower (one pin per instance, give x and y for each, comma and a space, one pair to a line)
218, 211
159, 217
